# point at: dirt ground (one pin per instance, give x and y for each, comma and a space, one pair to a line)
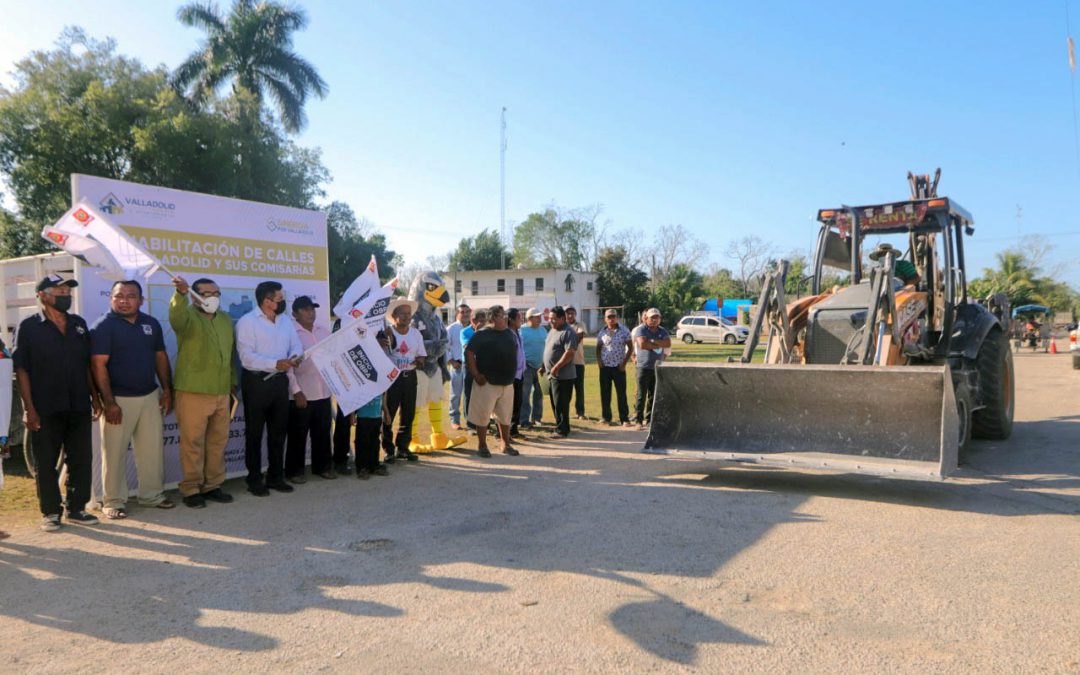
584, 555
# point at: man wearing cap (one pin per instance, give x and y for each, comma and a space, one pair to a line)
127, 352
579, 361
559, 348
407, 351
52, 366
613, 350
532, 395
205, 383
310, 412
456, 360
269, 347
650, 340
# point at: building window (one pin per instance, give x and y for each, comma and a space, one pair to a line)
519, 287
500, 285
539, 283
588, 286
457, 286
569, 283
475, 287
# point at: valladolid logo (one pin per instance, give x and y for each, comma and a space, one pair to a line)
111, 204
114, 205
290, 226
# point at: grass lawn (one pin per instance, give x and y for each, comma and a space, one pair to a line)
18, 498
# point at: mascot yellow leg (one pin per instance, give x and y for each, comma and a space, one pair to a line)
439, 439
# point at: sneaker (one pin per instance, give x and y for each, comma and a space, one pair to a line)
389, 458
259, 490
627, 423
195, 501
381, 471
82, 517
280, 487
511, 450
218, 495
363, 474
483, 452
327, 475
165, 504
409, 455
297, 480
51, 523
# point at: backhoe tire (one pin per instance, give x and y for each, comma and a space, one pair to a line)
997, 388
964, 403
688, 339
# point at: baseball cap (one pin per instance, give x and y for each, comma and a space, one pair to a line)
54, 280
570, 308
531, 312
611, 312
652, 311
303, 302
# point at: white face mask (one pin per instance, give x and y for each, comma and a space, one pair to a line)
210, 305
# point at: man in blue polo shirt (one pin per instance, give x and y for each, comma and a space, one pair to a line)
127, 351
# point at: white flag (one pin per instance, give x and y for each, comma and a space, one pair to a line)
87, 250
358, 291
353, 365
373, 309
83, 220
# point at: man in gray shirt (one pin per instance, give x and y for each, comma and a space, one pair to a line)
559, 349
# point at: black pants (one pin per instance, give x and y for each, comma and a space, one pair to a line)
608, 376
560, 391
342, 438
579, 390
468, 395
314, 422
266, 404
367, 442
646, 388
70, 432
517, 406
401, 394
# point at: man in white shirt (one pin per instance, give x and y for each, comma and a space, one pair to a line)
269, 347
310, 412
456, 359
407, 352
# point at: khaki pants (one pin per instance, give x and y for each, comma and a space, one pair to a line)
204, 431
140, 428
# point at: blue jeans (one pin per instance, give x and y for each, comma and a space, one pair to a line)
457, 385
532, 397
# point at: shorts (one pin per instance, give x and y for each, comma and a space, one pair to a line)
429, 389
491, 398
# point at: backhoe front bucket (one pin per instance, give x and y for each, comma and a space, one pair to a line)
896, 421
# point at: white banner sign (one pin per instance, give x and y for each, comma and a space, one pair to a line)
354, 366
372, 311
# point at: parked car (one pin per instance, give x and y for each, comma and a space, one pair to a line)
691, 329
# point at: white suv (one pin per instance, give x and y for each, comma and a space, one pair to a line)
712, 329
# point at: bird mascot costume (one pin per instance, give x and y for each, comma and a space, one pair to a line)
430, 294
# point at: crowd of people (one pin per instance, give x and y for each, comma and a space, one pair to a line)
117, 371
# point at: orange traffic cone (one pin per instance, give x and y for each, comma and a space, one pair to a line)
1053, 345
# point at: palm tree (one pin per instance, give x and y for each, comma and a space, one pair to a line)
252, 47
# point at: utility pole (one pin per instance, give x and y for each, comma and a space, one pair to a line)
502, 185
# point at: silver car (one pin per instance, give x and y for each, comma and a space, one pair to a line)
691, 329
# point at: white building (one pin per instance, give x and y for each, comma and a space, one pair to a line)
525, 288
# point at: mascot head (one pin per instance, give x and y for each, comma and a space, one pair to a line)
427, 288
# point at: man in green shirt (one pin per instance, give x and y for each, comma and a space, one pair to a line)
205, 380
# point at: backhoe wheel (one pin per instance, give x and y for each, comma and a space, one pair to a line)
964, 403
997, 388
688, 339
729, 339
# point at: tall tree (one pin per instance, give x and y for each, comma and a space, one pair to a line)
751, 254
721, 284
620, 282
483, 252
674, 245
349, 250
252, 48
555, 237
680, 292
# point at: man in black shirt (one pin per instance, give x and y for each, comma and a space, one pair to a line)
491, 357
52, 366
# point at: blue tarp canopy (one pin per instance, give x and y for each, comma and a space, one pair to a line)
1024, 309
729, 310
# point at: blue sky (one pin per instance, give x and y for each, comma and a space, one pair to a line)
727, 118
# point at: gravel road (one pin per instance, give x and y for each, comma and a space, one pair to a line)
584, 555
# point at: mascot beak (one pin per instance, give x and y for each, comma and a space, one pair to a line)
437, 296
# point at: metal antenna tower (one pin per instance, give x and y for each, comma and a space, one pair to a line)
502, 187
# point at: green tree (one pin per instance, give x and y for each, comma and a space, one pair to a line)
680, 292
349, 250
252, 48
721, 284
552, 238
620, 282
483, 252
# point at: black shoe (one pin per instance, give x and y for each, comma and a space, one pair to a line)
409, 455
327, 475
218, 495
511, 450
343, 469
258, 490
514, 433
483, 452
363, 474
298, 479
389, 458
195, 501
381, 471
280, 487
82, 517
